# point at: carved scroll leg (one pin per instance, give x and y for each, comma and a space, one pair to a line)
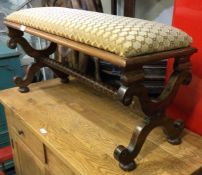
173, 131
126, 156
22, 83
16, 37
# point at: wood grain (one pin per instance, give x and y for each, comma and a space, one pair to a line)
26, 136
84, 128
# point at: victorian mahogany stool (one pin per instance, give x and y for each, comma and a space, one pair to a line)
127, 43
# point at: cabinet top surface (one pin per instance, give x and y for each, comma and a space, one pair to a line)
84, 127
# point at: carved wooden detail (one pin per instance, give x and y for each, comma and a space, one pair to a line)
22, 83
154, 110
17, 38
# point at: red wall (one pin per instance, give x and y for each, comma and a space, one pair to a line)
188, 103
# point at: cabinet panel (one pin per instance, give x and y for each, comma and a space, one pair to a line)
26, 162
26, 135
55, 166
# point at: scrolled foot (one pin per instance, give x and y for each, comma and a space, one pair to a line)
176, 141
128, 167
174, 132
125, 96
23, 89
123, 155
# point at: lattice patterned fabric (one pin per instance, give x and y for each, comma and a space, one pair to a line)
126, 37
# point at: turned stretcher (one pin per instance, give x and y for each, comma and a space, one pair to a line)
126, 43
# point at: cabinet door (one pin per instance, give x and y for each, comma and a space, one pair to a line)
55, 166
26, 162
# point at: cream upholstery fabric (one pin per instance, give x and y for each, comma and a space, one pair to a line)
126, 37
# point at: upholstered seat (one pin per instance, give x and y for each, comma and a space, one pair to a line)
126, 37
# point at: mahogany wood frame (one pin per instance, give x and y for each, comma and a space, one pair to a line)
132, 78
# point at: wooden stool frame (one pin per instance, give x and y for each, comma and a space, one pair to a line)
132, 78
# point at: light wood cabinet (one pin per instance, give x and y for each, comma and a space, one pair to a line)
83, 129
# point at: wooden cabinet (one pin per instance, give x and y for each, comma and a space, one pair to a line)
83, 128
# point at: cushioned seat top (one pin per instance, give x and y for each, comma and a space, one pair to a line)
126, 37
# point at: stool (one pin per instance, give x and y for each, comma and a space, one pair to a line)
127, 43
5, 155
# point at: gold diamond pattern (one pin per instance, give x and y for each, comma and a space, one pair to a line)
126, 37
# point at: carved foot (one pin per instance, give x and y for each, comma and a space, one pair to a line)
125, 95
173, 131
128, 167
176, 141
23, 89
126, 162
19, 81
